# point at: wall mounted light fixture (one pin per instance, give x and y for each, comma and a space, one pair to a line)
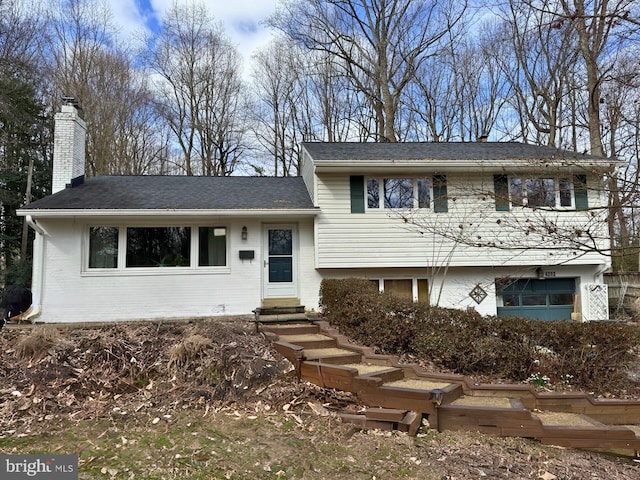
540, 273
244, 233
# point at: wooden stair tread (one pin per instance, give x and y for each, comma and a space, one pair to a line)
280, 317
293, 328
311, 354
496, 402
386, 414
386, 419
418, 384
280, 305
303, 337
369, 369
566, 419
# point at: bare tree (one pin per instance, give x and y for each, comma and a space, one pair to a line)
621, 130
431, 101
200, 89
381, 43
278, 81
87, 64
538, 57
601, 28
341, 112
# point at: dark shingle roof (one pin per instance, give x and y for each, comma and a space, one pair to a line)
437, 151
180, 193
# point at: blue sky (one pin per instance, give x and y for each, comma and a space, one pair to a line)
241, 18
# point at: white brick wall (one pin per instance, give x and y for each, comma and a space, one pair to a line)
69, 145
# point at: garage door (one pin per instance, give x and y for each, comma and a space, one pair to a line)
550, 299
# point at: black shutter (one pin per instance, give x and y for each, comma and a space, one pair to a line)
440, 203
501, 192
356, 184
580, 192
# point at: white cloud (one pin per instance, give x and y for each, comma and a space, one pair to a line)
242, 19
130, 19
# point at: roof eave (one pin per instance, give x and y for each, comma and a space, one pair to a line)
373, 166
66, 213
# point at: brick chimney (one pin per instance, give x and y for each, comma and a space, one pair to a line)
68, 147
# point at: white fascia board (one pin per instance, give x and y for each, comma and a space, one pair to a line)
66, 213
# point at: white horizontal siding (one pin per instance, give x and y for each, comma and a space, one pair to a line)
381, 238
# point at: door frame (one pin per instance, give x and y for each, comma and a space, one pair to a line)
277, 289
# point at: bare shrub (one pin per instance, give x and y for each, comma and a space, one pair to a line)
595, 356
189, 349
634, 310
39, 343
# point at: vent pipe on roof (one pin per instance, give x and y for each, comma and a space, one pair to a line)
68, 146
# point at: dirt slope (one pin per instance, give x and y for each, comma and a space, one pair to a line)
88, 372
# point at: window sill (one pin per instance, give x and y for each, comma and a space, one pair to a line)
166, 271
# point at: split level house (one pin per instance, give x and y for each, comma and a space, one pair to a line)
503, 228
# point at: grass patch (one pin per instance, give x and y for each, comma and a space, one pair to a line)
226, 445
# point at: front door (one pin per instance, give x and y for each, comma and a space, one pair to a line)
280, 261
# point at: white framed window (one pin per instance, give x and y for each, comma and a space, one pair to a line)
406, 192
110, 248
565, 192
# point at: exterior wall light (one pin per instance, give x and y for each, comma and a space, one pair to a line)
244, 233
540, 273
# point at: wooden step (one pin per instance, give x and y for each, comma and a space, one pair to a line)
387, 419
492, 415
581, 432
332, 355
383, 372
281, 317
328, 375
291, 328
278, 309
309, 341
424, 401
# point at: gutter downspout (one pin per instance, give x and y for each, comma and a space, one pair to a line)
38, 270
32, 223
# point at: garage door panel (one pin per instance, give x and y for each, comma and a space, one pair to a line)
550, 299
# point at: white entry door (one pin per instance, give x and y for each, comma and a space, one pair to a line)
280, 261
